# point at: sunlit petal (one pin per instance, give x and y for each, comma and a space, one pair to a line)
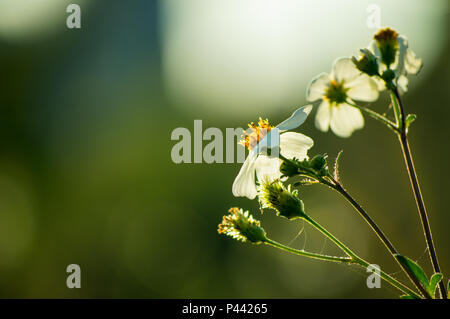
345, 119
267, 168
244, 183
323, 116
363, 88
344, 70
316, 89
295, 145
296, 119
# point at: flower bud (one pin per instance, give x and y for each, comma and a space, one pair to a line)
367, 63
387, 42
318, 162
289, 168
285, 202
242, 226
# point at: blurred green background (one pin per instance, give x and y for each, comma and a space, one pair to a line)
86, 117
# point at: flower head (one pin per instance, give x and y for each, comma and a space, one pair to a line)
242, 226
393, 52
274, 195
256, 133
367, 63
345, 84
386, 41
263, 136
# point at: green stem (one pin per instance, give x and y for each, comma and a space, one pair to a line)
338, 187
352, 259
357, 260
402, 134
376, 116
307, 254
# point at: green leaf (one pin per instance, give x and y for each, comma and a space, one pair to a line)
448, 288
408, 297
336, 166
410, 118
414, 269
434, 280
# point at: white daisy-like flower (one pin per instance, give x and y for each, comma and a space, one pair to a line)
392, 50
261, 137
344, 85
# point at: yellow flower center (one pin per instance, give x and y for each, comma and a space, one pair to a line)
255, 133
336, 92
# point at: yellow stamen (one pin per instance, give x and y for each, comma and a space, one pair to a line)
255, 133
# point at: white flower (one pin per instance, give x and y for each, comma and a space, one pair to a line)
262, 137
404, 60
345, 84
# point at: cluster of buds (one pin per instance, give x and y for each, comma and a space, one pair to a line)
315, 167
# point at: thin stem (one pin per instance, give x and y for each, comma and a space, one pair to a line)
376, 116
336, 241
396, 101
338, 187
307, 254
354, 259
389, 279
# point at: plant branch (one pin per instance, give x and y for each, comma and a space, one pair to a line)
402, 134
338, 187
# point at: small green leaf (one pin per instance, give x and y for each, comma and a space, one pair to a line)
336, 166
434, 280
410, 118
414, 269
408, 297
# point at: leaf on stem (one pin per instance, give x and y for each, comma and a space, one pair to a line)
434, 280
336, 166
414, 269
410, 118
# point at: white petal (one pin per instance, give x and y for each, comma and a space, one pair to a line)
244, 183
399, 64
345, 119
344, 70
407, 60
295, 145
402, 83
412, 63
296, 119
316, 89
271, 140
267, 168
381, 86
362, 88
323, 116
374, 49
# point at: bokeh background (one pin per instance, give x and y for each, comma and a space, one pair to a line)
86, 175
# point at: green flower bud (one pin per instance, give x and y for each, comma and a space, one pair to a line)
285, 202
318, 162
367, 63
387, 42
289, 168
242, 226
